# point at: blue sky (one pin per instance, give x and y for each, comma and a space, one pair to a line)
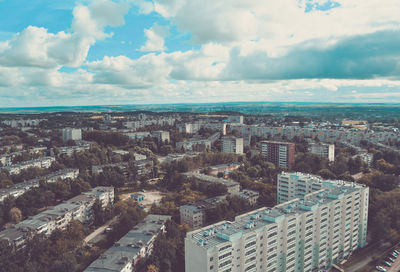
88, 52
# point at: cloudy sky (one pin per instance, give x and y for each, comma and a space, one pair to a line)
62, 52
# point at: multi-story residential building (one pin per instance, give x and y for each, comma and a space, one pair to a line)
238, 119
170, 121
74, 134
139, 157
70, 150
250, 195
199, 145
189, 128
23, 122
223, 168
76, 208
299, 185
194, 215
136, 245
18, 189
279, 153
324, 150
162, 136
192, 128
232, 187
327, 135
138, 135
366, 157
43, 162
231, 144
194, 145
309, 234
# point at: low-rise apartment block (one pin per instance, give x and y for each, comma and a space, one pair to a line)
18, 189
136, 245
57, 217
15, 169
195, 215
232, 187
223, 168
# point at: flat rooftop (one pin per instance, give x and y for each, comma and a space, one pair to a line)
128, 247
207, 178
211, 236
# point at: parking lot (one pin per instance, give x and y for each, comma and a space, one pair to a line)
395, 266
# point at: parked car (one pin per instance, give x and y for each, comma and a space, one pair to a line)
390, 259
380, 268
386, 263
396, 251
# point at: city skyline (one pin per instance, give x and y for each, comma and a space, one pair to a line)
105, 52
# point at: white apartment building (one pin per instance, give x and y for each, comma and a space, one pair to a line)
58, 217
324, 150
232, 187
43, 162
232, 144
162, 136
307, 234
235, 119
19, 189
71, 134
134, 246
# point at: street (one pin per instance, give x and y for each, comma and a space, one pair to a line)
98, 234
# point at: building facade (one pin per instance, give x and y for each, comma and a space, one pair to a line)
309, 234
324, 150
279, 153
58, 217
134, 246
232, 144
74, 134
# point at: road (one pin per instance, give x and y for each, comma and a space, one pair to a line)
98, 234
364, 256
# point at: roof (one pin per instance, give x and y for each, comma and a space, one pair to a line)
219, 233
127, 249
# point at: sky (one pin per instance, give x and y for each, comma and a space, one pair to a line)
105, 52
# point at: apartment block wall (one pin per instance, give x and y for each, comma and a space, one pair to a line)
305, 234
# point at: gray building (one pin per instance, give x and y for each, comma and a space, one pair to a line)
74, 134
231, 144
309, 234
136, 245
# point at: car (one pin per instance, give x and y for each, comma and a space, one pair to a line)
394, 255
386, 263
396, 251
390, 259
380, 268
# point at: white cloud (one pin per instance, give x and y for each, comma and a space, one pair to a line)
155, 38
36, 47
281, 22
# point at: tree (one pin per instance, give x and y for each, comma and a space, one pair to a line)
326, 174
15, 215
152, 268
